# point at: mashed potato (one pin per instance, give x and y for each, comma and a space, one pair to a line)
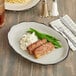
17, 1
27, 39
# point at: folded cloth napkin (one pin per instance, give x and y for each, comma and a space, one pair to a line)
65, 31
69, 23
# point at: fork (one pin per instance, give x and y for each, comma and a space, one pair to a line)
63, 32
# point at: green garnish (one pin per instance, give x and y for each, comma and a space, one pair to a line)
49, 38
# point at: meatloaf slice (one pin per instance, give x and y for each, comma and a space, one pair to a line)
33, 46
43, 49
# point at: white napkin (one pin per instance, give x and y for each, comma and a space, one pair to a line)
58, 24
69, 23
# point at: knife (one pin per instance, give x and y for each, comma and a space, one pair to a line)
44, 10
67, 25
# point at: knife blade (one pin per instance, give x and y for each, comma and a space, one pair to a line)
67, 25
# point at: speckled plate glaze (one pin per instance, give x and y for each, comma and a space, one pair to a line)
53, 57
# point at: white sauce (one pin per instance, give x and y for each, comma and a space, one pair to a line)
27, 39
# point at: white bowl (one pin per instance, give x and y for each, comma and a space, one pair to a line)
20, 7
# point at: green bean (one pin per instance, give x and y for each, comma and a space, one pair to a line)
49, 38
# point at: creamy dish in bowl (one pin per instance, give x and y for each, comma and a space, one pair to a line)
18, 1
20, 5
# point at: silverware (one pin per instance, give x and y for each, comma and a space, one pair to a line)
67, 25
63, 32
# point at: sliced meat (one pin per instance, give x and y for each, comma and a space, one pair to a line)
44, 49
33, 46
